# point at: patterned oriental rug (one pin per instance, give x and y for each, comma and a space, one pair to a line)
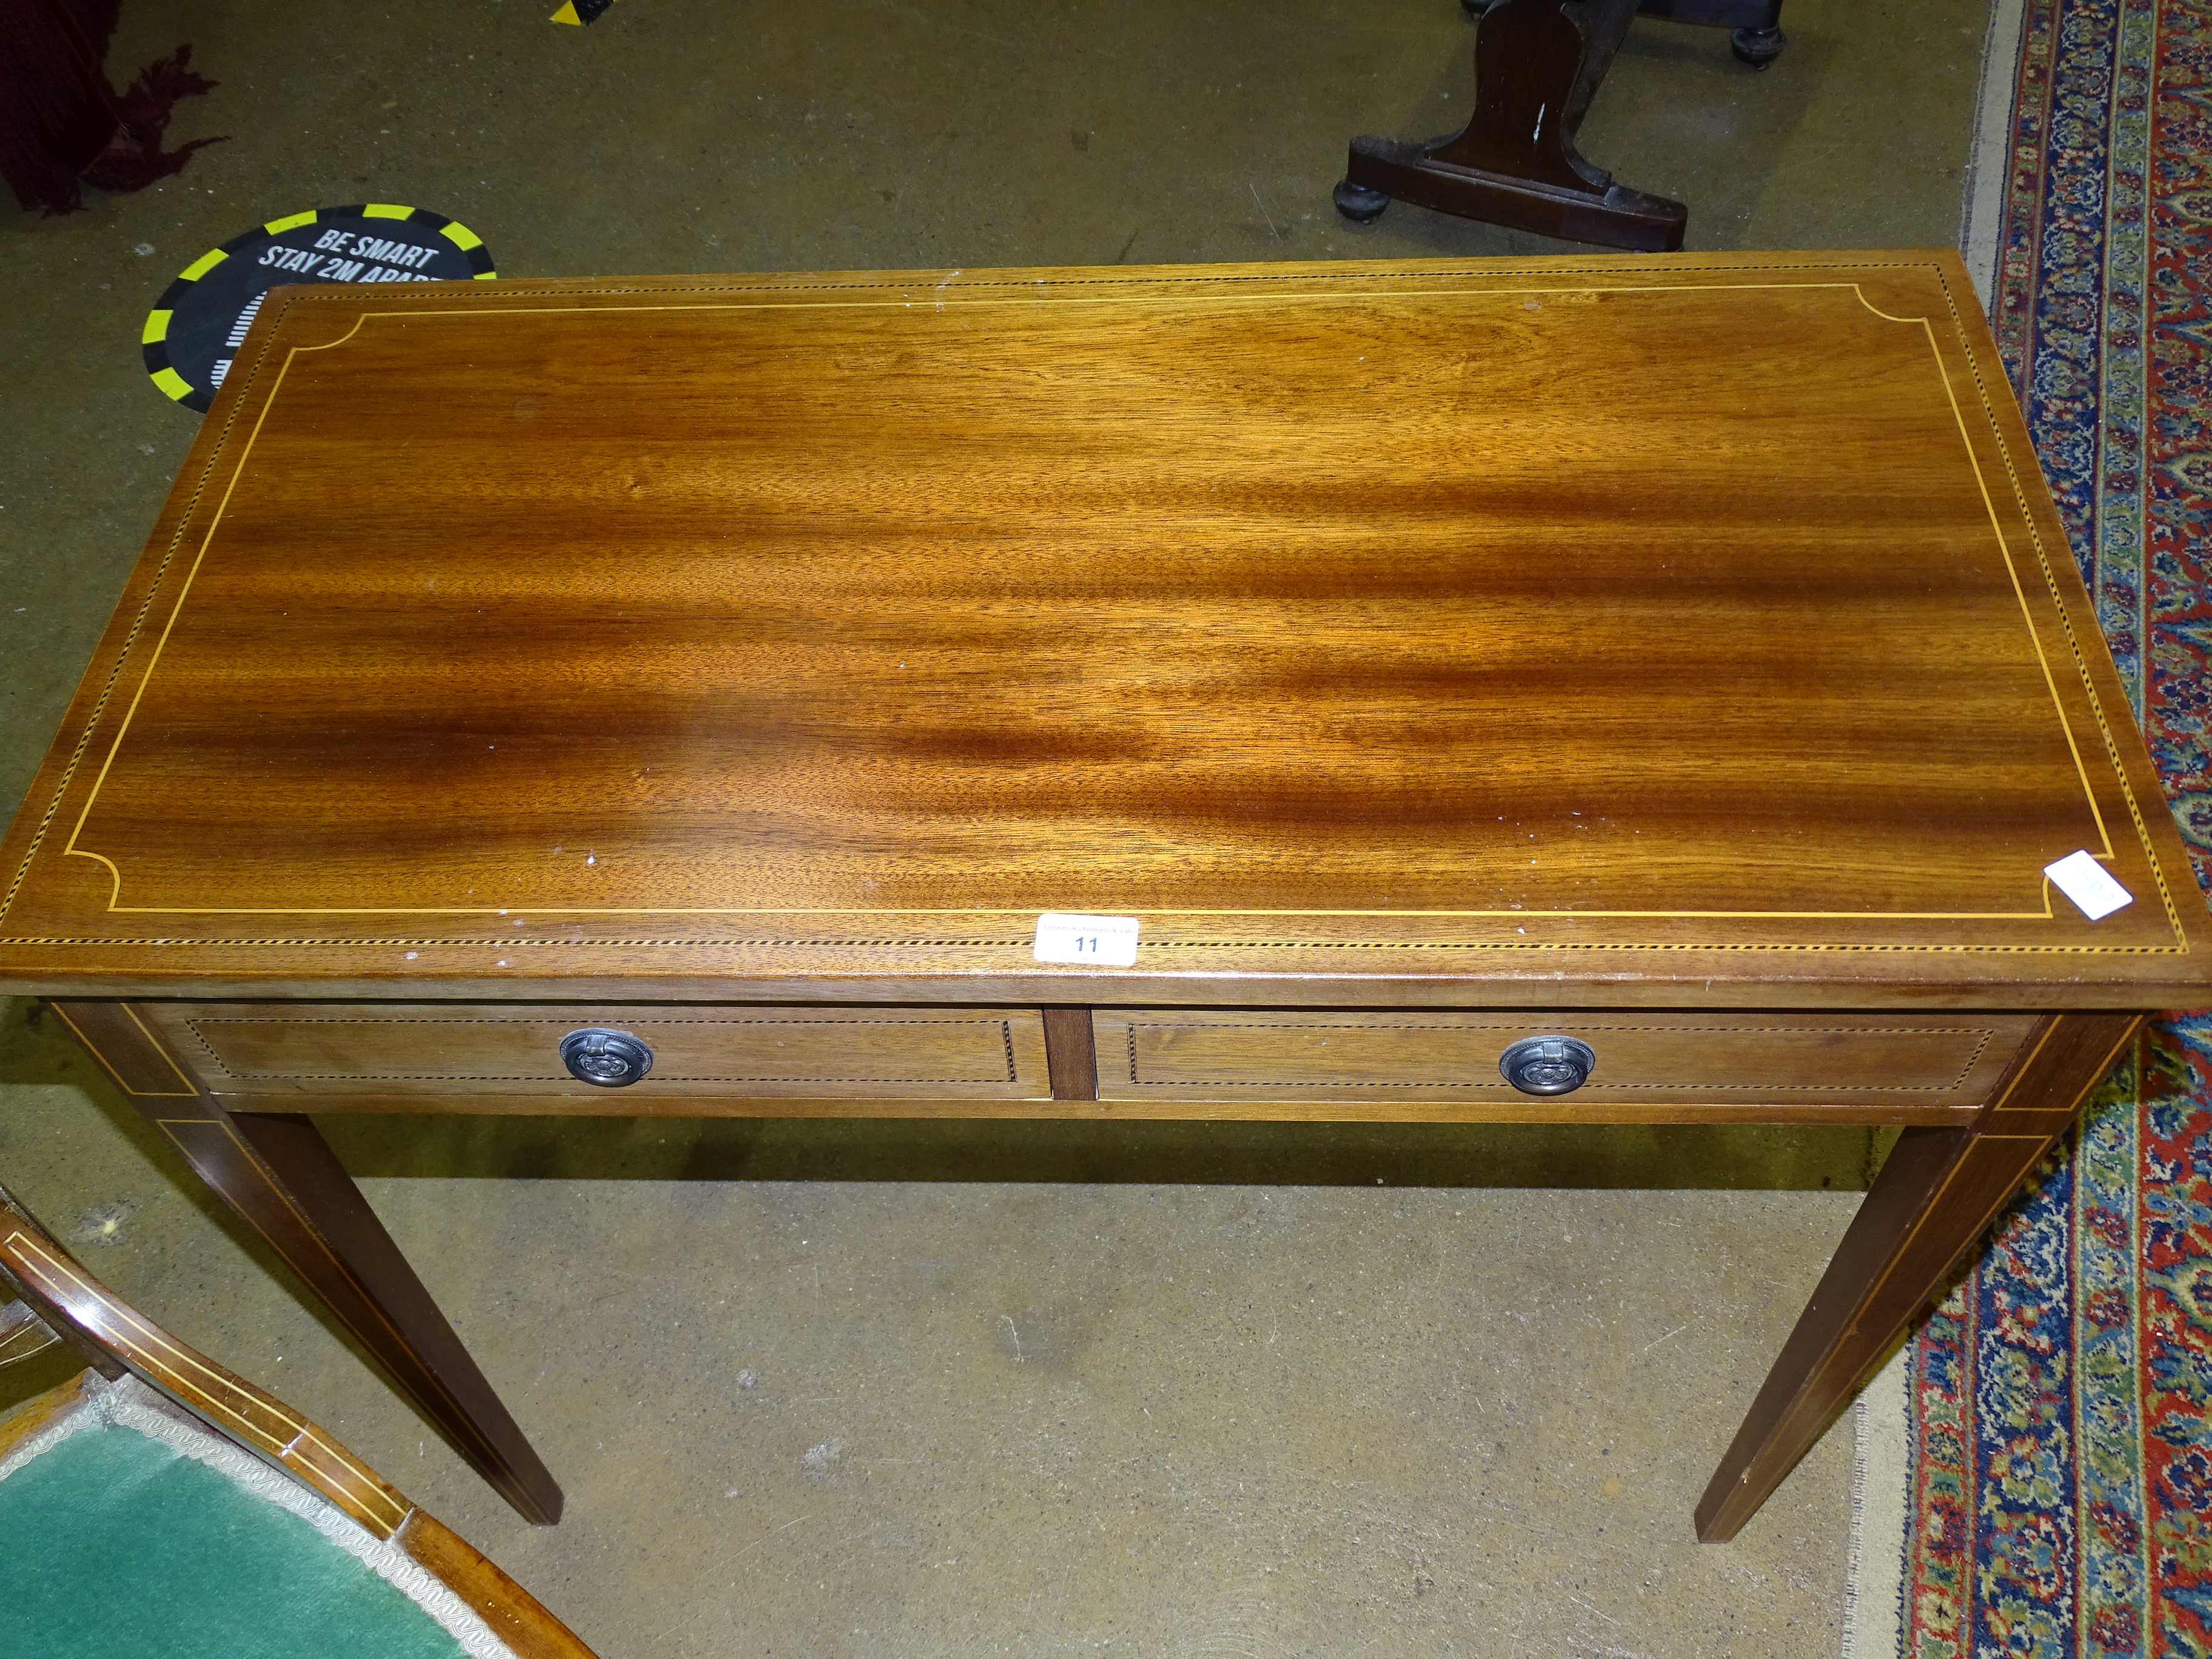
2037, 1465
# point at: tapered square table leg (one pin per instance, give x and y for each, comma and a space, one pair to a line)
1940, 1189
279, 1174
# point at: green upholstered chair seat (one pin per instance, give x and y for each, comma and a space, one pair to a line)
123, 1533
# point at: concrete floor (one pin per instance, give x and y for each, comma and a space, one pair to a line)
938, 1388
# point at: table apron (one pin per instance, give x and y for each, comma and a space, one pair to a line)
987, 1061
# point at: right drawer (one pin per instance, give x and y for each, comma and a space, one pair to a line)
1900, 1060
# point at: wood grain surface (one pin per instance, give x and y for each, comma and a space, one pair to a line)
406, 1049
1906, 1063
1398, 634
515, 1616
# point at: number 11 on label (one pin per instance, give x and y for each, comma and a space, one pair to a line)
1098, 941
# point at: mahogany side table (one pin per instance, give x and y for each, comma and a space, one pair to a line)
1616, 689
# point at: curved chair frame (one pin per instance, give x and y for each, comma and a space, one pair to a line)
60, 1302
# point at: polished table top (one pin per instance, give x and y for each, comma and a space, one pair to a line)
1596, 629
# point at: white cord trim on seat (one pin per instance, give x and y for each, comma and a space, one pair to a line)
130, 1404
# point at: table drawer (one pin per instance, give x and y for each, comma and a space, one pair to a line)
399, 1049
1902, 1061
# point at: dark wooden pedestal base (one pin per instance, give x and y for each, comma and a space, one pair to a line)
1538, 63
1383, 170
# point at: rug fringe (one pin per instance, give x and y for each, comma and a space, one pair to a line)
1874, 1580
1989, 156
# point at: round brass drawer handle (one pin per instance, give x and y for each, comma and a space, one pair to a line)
605, 1059
1547, 1065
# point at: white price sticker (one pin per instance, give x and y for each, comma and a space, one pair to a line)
1101, 941
2089, 885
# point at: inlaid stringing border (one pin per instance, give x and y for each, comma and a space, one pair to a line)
1004, 1027
1029, 296
1595, 1083
191, 1379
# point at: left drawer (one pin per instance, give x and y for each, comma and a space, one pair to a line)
398, 1049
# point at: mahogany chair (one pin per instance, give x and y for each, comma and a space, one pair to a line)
156, 1505
1537, 66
